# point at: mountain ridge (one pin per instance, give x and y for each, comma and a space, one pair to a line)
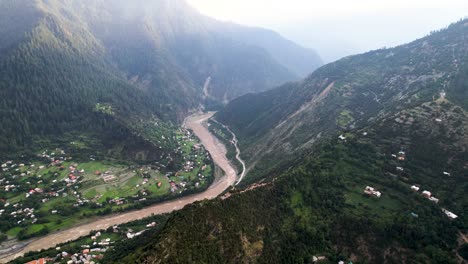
366, 86
143, 59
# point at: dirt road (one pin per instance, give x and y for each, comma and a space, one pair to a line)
238, 153
218, 154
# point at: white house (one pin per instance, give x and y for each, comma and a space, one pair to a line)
371, 191
426, 194
449, 214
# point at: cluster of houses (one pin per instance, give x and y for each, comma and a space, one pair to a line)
74, 174
401, 156
93, 252
188, 166
21, 215
428, 195
13, 180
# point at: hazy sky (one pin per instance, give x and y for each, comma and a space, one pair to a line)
337, 28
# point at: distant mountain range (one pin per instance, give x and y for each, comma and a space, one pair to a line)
156, 58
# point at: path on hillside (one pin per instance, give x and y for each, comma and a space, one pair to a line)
218, 153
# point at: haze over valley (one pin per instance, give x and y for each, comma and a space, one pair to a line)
196, 131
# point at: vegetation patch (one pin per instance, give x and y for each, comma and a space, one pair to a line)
344, 118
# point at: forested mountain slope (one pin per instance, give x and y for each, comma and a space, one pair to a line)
318, 206
349, 93
142, 59
315, 207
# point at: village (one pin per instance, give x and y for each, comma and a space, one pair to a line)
90, 249
400, 157
52, 190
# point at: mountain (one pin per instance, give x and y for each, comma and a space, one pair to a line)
392, 121
352, 92
145, 59
300, 61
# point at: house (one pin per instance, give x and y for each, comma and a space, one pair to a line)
371, 191
342, 137
399, 168
413, 214
153, 224
415, 188
446, 173
426, 194
449, 214
40, 261
438, 120
433, 199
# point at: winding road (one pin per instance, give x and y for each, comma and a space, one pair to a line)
234, 142
218, 153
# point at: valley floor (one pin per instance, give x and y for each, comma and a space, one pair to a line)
218, 153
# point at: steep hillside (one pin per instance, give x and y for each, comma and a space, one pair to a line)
145, 37
318, 207
53, 79
349, 93
366, 160
157, 59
